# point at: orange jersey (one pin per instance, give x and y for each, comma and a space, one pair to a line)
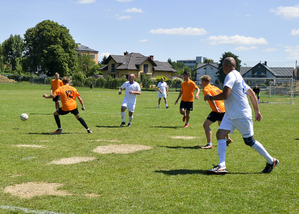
188, 88
68, 95
213, 90
56, 84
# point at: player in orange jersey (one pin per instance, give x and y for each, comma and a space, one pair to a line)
217, 113
56, 83
68, 95
187, 94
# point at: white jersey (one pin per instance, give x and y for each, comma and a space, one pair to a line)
130, 98
162, 87
237, 105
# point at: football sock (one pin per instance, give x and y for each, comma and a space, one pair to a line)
83, 122
221, 152
262, 151
123, 114
57, 120
158, 106
209, 144
130, 119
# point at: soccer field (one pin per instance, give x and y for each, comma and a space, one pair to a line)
154, 166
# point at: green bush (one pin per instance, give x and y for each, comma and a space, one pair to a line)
100, 82
78, 79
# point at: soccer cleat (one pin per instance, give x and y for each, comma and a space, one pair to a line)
122, 124
158, 106
217, 170
89, 131
229, 141
186, 125
270, 167
207, 147
184, 118
129, 125
58, 131
167, 106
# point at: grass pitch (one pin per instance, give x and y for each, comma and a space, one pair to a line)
169, 178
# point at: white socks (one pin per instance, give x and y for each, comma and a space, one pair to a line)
262, 151
130, 119
123, 114
221, 152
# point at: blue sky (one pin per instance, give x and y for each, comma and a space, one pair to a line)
266, 30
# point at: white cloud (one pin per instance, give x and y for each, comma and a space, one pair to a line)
104, 54
294, 32
180, 31
287, 12
123, 17
143, 40
270, 50
236, 40
134, 10
293, 52
244, 48
86, 1
124, 0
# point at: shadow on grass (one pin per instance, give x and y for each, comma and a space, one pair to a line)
40, 113
181, 147
47, 133
297, 139
167, 127
110, 126
181, 172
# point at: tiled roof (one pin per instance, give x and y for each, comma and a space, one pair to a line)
244, 70
164, 66
276, 71
84, 48
201, 65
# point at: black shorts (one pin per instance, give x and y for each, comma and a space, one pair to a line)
186, 105
215, 116
56, 98
61, 112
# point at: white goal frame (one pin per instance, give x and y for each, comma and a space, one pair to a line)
274, 81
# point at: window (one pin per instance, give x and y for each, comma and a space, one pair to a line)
145, 68
92, 56
112, 67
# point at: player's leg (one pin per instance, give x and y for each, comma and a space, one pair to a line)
159, 101
122, 113
131, 108
208, 131
75, 112
57, 120
165, 99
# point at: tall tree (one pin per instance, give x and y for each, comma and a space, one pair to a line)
50, 46
208, 61
221, 75
1, 59
13, 49
85, 63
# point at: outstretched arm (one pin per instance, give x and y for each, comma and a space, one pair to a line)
181, 93
222, 96
81, 102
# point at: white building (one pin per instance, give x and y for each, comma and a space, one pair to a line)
191, 62
210, 69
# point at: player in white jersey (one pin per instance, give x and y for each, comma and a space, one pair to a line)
163, 92
132, 89
237, 116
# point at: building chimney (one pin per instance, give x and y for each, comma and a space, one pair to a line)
152, 57
266, 63
126, 53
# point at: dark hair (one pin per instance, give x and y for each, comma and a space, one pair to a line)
186, 73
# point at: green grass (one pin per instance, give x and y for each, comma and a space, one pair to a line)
169, 178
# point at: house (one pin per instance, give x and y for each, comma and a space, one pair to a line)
191, 62
261, 70
118, 66
210, 69
86, 50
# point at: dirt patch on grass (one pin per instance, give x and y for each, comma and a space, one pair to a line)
183, 137
31, 189
112, 141
72, 160
33, 146
92, 195
120, 149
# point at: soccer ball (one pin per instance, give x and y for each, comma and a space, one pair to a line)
24, 116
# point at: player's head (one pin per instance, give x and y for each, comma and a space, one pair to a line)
131, 78
162, 79
228, 64
205, 80
186, 75
66, 80
56, 75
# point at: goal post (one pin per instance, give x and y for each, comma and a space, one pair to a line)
283, 88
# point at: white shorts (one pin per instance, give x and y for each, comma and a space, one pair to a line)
130, 106
244, 125
161, 95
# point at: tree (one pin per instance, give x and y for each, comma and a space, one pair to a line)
221, 75
1, 59
50, 46
12, 50
208, 61
85, 63
103, 60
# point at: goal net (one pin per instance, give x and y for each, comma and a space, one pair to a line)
274, 90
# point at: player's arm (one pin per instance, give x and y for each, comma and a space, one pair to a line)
197, 93
135, 92
181, 93
159, 89
251, 94
222, 96
81, 102
167, 90
49, 96
51, 91
119, 91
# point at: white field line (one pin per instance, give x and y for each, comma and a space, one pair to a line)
25, 210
